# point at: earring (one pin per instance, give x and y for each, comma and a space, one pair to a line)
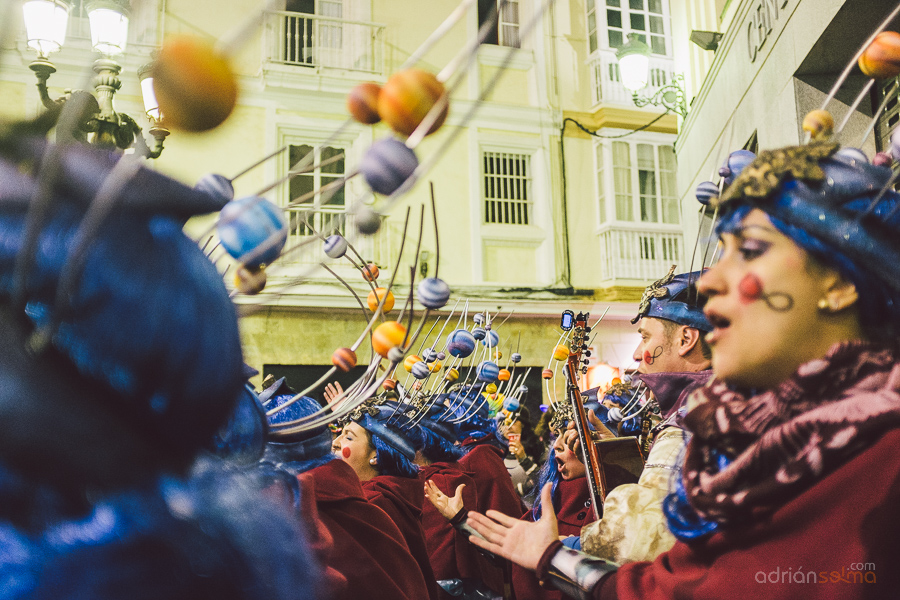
823, 304
372, 461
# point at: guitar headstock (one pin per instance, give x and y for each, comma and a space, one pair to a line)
578, 342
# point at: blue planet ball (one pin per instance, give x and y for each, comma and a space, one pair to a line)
387, 165
478, 318
492, 338
479, 333
706, 191
433, 292
335, 246
852, 155
460, 343
487, 371
734, 164
511, 403
516, 357
252, 230
217, 186
420, 370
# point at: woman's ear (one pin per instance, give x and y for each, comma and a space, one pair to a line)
840, 293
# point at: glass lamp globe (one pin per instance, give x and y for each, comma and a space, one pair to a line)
634, 63
45, 24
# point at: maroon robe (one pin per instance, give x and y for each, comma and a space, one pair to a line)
839, 539
451, 554
573, 514
495, 492
368, 549
401, 498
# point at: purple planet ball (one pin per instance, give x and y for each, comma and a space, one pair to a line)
706, 191
387, 165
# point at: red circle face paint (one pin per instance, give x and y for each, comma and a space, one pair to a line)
648, 358
345, 451
750, 288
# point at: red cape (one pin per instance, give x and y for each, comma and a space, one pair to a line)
572, 516
451, 554
401, 498
367, 548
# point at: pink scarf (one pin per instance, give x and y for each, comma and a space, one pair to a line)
784, 440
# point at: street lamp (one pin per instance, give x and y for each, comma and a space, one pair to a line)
45, 25
634, 68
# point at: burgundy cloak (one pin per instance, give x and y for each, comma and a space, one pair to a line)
401, 498
368, 549
451, 554
574, 513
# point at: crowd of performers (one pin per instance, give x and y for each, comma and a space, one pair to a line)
137, 462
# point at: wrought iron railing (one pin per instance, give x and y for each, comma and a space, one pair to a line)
316, 41
644, 254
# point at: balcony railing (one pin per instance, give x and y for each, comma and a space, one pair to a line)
639, 253
606, 81
316, 41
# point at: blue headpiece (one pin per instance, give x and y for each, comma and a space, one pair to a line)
300, 446
433, 420
386, 423
674, 298
837, 198
124, 296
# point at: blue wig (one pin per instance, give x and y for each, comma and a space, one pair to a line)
433, 446
683, 521
549, 474
391, 461
300, 451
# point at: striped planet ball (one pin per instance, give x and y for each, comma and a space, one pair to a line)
250, 282
504, 375
335, 246
490, 388
479, 333
523, 389
406, 98
429, 355
441, 356
487, 371
706, 192
852, 155
435, 366
516, 357
433, 292
511, 403
420, 370
491, 338
561, 352
387, 164
735, 163
410, 361
374, 299
881, 59
216, 186
362, 102
389, 384
478, 318
452, 375
460, 343
386, 336
344, 359
396, 354
370, 272
252, 230
547, 374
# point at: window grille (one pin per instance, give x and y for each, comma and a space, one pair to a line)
507, 188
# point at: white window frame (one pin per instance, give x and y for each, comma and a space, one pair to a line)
318, 175
509, 19
509, 210
603, 27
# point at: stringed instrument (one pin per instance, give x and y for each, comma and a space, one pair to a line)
609, 462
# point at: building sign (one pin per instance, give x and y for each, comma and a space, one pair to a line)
762, 19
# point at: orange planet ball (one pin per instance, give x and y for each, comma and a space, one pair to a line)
435, 366
819, 124
504, 375
362, 102
881, 59
547, 374
389, 384
407, 97
375, 297
561, 352
344, 359
249, 281
409, 361
452, 375
370, 272
194, 84
388, 335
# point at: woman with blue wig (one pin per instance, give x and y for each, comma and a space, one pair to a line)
791, 479
376, 442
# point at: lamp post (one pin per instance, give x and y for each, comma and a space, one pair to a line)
634, 67
45, 25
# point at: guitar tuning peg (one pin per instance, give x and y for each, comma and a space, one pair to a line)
587, 329
584, 370
587, 353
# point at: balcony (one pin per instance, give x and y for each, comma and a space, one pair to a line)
319, 42
638, 254
606, 83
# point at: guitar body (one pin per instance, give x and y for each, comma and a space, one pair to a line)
620, 462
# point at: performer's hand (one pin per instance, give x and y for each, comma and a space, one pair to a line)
332, 391
602, 431
570, 437
515, 447
522, 542
445, 505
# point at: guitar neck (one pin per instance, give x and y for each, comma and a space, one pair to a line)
588, 449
